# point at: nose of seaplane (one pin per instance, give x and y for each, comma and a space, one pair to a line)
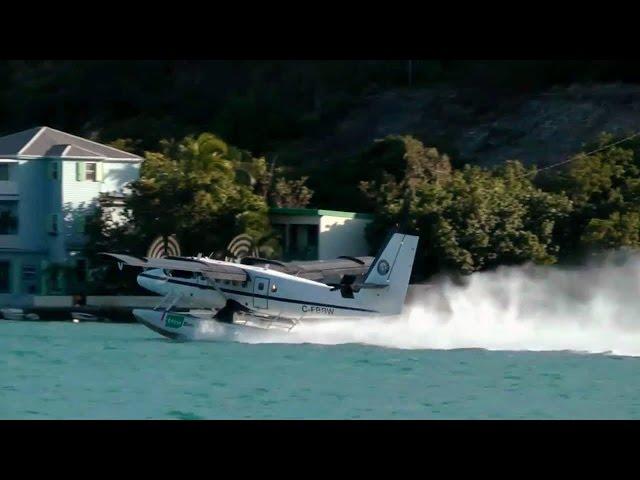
152, 279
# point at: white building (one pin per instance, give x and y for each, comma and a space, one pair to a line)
49, 182
310, 234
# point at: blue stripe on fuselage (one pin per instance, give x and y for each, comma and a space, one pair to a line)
251, 294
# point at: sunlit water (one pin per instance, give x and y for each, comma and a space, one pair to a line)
82, 371
517, 343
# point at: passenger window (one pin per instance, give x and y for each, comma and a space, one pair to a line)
244, 284
261, 286
274, 288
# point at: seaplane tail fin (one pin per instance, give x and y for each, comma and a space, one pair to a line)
389, 274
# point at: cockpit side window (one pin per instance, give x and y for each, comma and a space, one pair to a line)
181, 274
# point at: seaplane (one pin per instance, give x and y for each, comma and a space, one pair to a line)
259, 293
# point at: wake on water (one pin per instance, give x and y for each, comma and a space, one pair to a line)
594, 308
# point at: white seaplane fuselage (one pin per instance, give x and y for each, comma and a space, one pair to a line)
274, 295
266, 292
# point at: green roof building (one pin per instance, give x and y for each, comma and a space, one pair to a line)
312, 234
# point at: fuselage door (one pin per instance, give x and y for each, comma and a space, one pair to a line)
261, 292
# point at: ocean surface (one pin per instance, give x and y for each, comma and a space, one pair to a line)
54, 370
517, 343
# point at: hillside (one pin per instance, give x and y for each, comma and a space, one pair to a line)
312, 112
477, 125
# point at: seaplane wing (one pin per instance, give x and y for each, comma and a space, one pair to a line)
324, 271
214, 271
330, 271
127, 259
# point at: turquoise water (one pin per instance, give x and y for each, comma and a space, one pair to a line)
110, 371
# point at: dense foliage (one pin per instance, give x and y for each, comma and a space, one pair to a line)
468, 219
604, 188
473, 219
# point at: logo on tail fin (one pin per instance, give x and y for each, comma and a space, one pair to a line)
383, 267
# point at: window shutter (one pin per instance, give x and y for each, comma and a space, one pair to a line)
99, 171
80, 175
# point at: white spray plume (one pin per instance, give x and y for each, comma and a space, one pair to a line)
594, 308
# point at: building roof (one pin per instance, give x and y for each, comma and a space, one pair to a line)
313, 212
49, 142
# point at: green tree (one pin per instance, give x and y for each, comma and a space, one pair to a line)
493, 217
398, 167
604, 187
291, 193
618, 230
401, 157
190, 189
470, 219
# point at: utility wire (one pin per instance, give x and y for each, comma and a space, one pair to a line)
605, 147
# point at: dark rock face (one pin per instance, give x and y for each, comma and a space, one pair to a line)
482, 127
